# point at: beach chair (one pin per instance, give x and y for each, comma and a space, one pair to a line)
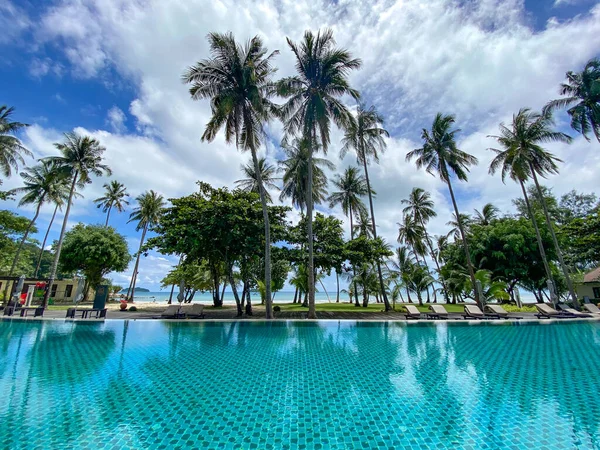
499, 311
172, 312
194, 311
473, 312
591, 308
566, 309
412, 312
548, 312
439, 311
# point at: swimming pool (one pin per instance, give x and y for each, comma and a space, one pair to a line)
154, 384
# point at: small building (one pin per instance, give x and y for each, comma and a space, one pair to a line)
60, 291
590, 287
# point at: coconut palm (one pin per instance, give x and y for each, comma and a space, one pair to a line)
237, 80
418, 281
267, 175
420, 206
81, 157
523, 157
441, 155
490, 289
488, 213
365, 136
313, 103
11, 148
412, 234
115, 196
42, 184
364, 226
454, 232
402, 266
295, 174
582, 96
146, 214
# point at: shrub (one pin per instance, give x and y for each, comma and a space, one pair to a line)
276, 308
132, 308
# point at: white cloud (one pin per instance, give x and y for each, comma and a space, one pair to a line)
13, 22
116, 119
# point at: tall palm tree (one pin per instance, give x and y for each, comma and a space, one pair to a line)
419, 205
11, 148
364, 226
403, 267
267, 175
465, 221
313, 103
523, 157
365, 136
352, 186
295, 174
146, 214
81, 157
237, 80
115, 196
411, 233
488, 213
441, 155
582, 91
42, 184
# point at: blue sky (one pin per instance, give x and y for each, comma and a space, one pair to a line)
111, 69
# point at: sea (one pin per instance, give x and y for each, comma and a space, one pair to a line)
206, 297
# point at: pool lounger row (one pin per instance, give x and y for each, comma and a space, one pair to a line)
194, 311
547, 312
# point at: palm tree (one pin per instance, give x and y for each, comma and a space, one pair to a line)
418, 281
364, 226
365, 136
237, 80
115, 195
251, 184
295, 174
313, 103
522, 157
582, 91
440, 155
420, 206
81, 157
11, 148
454, 232
42, 183
146, 214
412, 234
488, 213
352, 186
403, 267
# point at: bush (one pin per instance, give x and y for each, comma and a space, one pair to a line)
132, 308
276, 308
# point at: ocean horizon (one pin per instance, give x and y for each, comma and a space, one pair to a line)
206, 297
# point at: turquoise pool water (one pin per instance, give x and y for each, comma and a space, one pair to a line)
150, 384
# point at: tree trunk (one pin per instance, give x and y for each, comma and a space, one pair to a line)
107, 216
553, 234
420, 298
295, 294
357, 303
263, 202
465, 245
54, 267
171, 295
223, 292
437, 264
381, 284
337, 281
137, 263
309, 214
39, 261
234, 290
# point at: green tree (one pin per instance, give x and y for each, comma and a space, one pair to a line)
401, 268
251, 184
412, 234
11, 148
195, 277
487, 215
313, 103
147, 214
115, 196
582, 235
94, 251
364, 226
81, 157
12, 228
492, 290
237, 80
366, 136
418, 280
441, 155
523, 157
581, 94
577, 205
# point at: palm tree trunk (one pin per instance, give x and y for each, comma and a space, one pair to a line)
171, 294
107, 216
553, 234
18, 253
380, 274
337, 281
435, 260
39, 261
137, 263
309, 214
357, 303
465, 245
54, 267
263, 202
537, 233
238, 304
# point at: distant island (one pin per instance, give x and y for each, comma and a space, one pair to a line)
137, 289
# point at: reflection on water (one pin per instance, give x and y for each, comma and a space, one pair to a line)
287, 385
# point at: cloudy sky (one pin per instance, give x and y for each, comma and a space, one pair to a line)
112, 68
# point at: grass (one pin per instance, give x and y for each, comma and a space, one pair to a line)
347, 307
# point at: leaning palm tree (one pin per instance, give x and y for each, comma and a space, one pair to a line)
488, 213
365, 136
267, 175
42, 184
237, 80
295, 174
582, 96
146, 214
313, 103
11, 148
441, 155
465, 221
523, 157
115, 196
81, 157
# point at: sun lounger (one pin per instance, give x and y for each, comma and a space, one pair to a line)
412, 312
172, 312
439, 311
591, 308
548, 312
565, 309
37, 311
499, 311
473, 312
194, 311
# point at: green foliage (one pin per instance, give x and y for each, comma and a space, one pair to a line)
11, 148
582, 241
490, 289
536, 204
132, 309
94, 251
12, 228
195, 277
577, 205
